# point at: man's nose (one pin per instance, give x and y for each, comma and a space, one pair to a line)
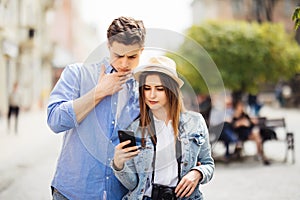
125, 62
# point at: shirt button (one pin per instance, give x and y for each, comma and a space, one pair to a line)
113, 122
107, 178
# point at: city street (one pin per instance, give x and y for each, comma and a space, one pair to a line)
27, 160
27, 163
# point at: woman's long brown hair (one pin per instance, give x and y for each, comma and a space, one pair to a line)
174, 99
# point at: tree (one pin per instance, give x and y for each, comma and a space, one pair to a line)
264, 9
246, 54
296, 18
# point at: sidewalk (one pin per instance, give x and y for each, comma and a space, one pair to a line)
28, 158
27, 164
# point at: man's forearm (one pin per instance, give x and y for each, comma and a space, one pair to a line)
84, 105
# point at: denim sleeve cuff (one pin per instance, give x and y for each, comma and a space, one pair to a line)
112, 165
125, 176
114, 169
198, 168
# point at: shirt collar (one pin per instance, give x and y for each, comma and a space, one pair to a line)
158, 121
108, 67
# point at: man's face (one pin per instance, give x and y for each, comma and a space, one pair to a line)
124, 57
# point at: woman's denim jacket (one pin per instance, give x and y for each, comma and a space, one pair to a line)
195, 147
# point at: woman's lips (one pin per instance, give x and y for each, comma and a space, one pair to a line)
152, 102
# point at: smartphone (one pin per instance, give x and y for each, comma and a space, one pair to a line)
125, 135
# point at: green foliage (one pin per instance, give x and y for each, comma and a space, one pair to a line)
188, 71
246, 54
296, 18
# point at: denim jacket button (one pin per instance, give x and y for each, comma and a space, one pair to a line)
185, 141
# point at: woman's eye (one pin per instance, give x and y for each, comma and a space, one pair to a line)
160, 89
146, 88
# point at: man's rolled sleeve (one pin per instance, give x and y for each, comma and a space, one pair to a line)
61, 116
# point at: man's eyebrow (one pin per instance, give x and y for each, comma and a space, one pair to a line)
135, 54
132, 55
117, 54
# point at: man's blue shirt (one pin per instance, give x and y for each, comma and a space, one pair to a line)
83, 170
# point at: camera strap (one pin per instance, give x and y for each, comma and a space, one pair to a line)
154, 141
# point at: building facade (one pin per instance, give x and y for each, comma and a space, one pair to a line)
24, 49
279, 11
37, 39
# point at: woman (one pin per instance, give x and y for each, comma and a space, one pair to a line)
174, 156
247, 129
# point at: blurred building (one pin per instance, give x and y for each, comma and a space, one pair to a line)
25, 51
37, 39
249, 10
74, 39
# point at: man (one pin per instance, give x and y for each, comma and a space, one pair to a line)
14, 106
90, 103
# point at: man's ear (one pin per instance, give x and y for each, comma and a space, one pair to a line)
142, 49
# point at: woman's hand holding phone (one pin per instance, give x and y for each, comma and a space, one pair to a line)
124, 152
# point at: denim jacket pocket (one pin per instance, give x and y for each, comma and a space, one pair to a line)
191, 146
197, 138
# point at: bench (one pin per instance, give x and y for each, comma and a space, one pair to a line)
264, 124
274, 124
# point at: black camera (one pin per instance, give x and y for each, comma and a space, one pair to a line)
162, 192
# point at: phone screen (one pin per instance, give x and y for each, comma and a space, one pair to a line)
125, 135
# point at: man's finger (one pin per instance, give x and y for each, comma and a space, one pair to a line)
102, 71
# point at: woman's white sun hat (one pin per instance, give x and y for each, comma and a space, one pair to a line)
161, 64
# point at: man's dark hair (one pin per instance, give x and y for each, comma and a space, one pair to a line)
126, 30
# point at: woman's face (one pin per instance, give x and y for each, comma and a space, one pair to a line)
155, 95
240, 107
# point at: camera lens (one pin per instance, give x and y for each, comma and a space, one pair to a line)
167, 194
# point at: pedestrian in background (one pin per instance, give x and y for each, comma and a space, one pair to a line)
205, 106
247, 129
173, 141
254, 105
221, 127
90, 103
14, 102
